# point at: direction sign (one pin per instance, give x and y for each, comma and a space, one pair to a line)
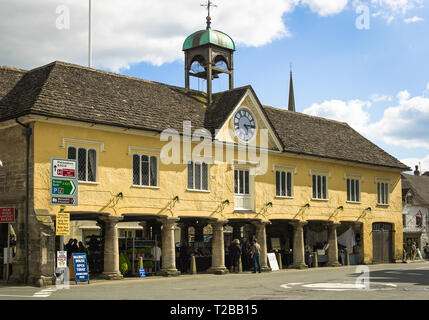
64, 168
7, 215
64, 182
63, 186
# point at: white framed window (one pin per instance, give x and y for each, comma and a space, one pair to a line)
283, 184
353, 190
320, 187
145, 170
198, 176
241, 182
383, 193
87, 162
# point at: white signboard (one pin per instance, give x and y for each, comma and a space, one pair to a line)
64, 168
61, 259
272, 260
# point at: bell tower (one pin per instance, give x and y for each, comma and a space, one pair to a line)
213, 50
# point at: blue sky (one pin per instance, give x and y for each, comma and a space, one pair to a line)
331, 59
376, 80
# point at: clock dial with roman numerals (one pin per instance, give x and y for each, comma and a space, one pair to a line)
244, 125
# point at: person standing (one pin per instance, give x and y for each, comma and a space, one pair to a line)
413, 251
256, 251
426, 250
184, 256
245, 254
156, 253
234, 253
81, 248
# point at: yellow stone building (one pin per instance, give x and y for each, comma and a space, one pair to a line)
290, 180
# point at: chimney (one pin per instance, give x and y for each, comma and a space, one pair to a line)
417, 172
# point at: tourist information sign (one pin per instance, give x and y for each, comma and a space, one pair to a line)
64, 182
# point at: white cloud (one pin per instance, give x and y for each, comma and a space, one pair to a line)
413, 19
389, 10
379, 97
397, 6
404, 125
326, 7
413, 162
129, 31
353, 112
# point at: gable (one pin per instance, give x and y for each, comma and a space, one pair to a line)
249, 103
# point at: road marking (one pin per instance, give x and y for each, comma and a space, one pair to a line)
44, 293
324, 286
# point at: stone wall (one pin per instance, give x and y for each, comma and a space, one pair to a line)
13, 194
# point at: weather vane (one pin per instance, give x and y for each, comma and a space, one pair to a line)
208, 5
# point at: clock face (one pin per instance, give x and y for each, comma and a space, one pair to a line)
244, 125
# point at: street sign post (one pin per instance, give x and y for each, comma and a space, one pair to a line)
63, 191
7, 215
64, 182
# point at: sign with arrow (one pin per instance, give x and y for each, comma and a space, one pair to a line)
64, 182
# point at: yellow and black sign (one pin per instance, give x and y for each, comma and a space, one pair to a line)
63, 224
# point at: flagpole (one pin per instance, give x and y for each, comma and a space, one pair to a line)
90, 38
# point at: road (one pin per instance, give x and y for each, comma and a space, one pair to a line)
386, 282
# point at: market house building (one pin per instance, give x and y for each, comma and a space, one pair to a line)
321, 177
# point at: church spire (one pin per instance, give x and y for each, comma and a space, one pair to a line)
291, 106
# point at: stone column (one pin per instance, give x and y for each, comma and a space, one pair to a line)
261, 237
218, 249
333, 245
111, 249
168, 250
298, 245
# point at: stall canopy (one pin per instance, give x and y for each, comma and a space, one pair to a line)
347, 239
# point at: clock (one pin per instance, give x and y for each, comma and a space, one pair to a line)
244, 125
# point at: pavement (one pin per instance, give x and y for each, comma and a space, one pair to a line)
401, 281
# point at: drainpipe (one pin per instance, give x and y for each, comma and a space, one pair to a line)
27, 133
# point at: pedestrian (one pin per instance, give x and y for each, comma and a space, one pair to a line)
255, 252
81, 248
156, 253
74, 247
413, 251
68, 248
245, 254
234, 254
184, 256
426, 250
